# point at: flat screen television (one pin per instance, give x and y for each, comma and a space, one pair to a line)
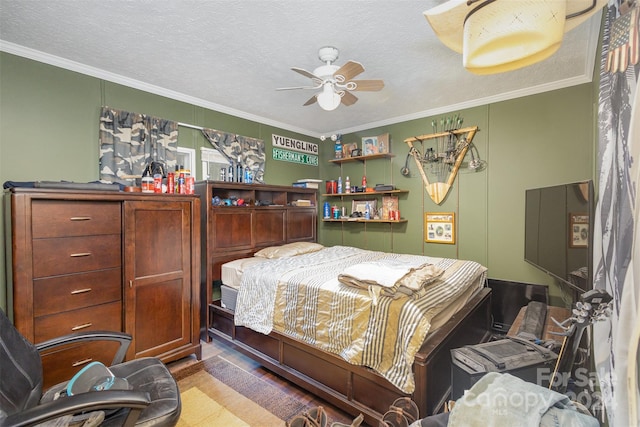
558, 228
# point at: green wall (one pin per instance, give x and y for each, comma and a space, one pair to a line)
49, 131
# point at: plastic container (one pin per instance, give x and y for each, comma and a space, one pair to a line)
147, 184
182, 189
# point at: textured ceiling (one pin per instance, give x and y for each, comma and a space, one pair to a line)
231, 55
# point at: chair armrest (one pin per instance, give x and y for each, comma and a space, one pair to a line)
122, 338
91, 401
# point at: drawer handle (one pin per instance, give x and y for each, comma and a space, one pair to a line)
80, 218
80, 254
81, 291
83, 326
81, 362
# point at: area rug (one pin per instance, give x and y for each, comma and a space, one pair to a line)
217, 392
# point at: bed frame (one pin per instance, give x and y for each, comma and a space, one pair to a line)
357, 389
229, 233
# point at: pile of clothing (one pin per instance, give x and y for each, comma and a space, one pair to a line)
391, 278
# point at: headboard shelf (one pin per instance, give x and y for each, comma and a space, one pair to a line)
268, 215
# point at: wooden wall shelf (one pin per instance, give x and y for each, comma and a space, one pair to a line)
367, 194
362, 158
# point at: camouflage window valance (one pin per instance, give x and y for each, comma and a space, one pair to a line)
236, 148
130, 141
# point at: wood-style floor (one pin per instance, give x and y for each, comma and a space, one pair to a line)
217, 348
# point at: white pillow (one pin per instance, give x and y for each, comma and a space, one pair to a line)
288, 250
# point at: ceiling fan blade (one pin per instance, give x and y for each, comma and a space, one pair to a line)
310, 101
348, 71
299, 87
369, 85
306, 73
348, 98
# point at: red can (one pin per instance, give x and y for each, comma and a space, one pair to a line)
190, 184
157, 183
171, 183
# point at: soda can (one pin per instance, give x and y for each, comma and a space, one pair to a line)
190, 183
157, 183
171, 183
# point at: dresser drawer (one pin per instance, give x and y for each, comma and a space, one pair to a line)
66, 255
63, 293
58, 218
62, 363
105, 317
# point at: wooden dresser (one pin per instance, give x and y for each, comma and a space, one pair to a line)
103, 260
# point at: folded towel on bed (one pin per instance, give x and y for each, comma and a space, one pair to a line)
396, 278
384, 272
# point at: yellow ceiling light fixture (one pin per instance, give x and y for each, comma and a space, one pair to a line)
495, 36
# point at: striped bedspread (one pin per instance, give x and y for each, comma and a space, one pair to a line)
302, 297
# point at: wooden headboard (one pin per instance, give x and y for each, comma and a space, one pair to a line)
240, 219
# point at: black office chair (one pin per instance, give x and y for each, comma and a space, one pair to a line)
152, 400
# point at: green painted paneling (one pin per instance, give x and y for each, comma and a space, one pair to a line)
49, 127
49, 131
537, 141
48, 117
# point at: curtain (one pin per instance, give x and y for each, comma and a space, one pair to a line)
616, 234
131, 141
249, 152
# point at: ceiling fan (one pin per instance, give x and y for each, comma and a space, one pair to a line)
335, 81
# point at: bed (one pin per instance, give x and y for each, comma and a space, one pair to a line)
357, 345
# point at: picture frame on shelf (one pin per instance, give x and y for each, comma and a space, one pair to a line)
372, 145
578, 230
348, 149
439, 227
384, 144
361, 205
389, 206
369, 145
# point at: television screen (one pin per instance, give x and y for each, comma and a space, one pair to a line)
558, 226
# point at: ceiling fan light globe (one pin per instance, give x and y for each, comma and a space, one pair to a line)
504, 36
328, 99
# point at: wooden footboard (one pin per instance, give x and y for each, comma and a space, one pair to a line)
357, 389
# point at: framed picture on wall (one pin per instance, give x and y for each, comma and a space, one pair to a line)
439, 227
578, 230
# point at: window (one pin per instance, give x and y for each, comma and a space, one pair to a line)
186, 158
212, 164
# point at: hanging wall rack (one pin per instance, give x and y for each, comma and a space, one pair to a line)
451, 147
